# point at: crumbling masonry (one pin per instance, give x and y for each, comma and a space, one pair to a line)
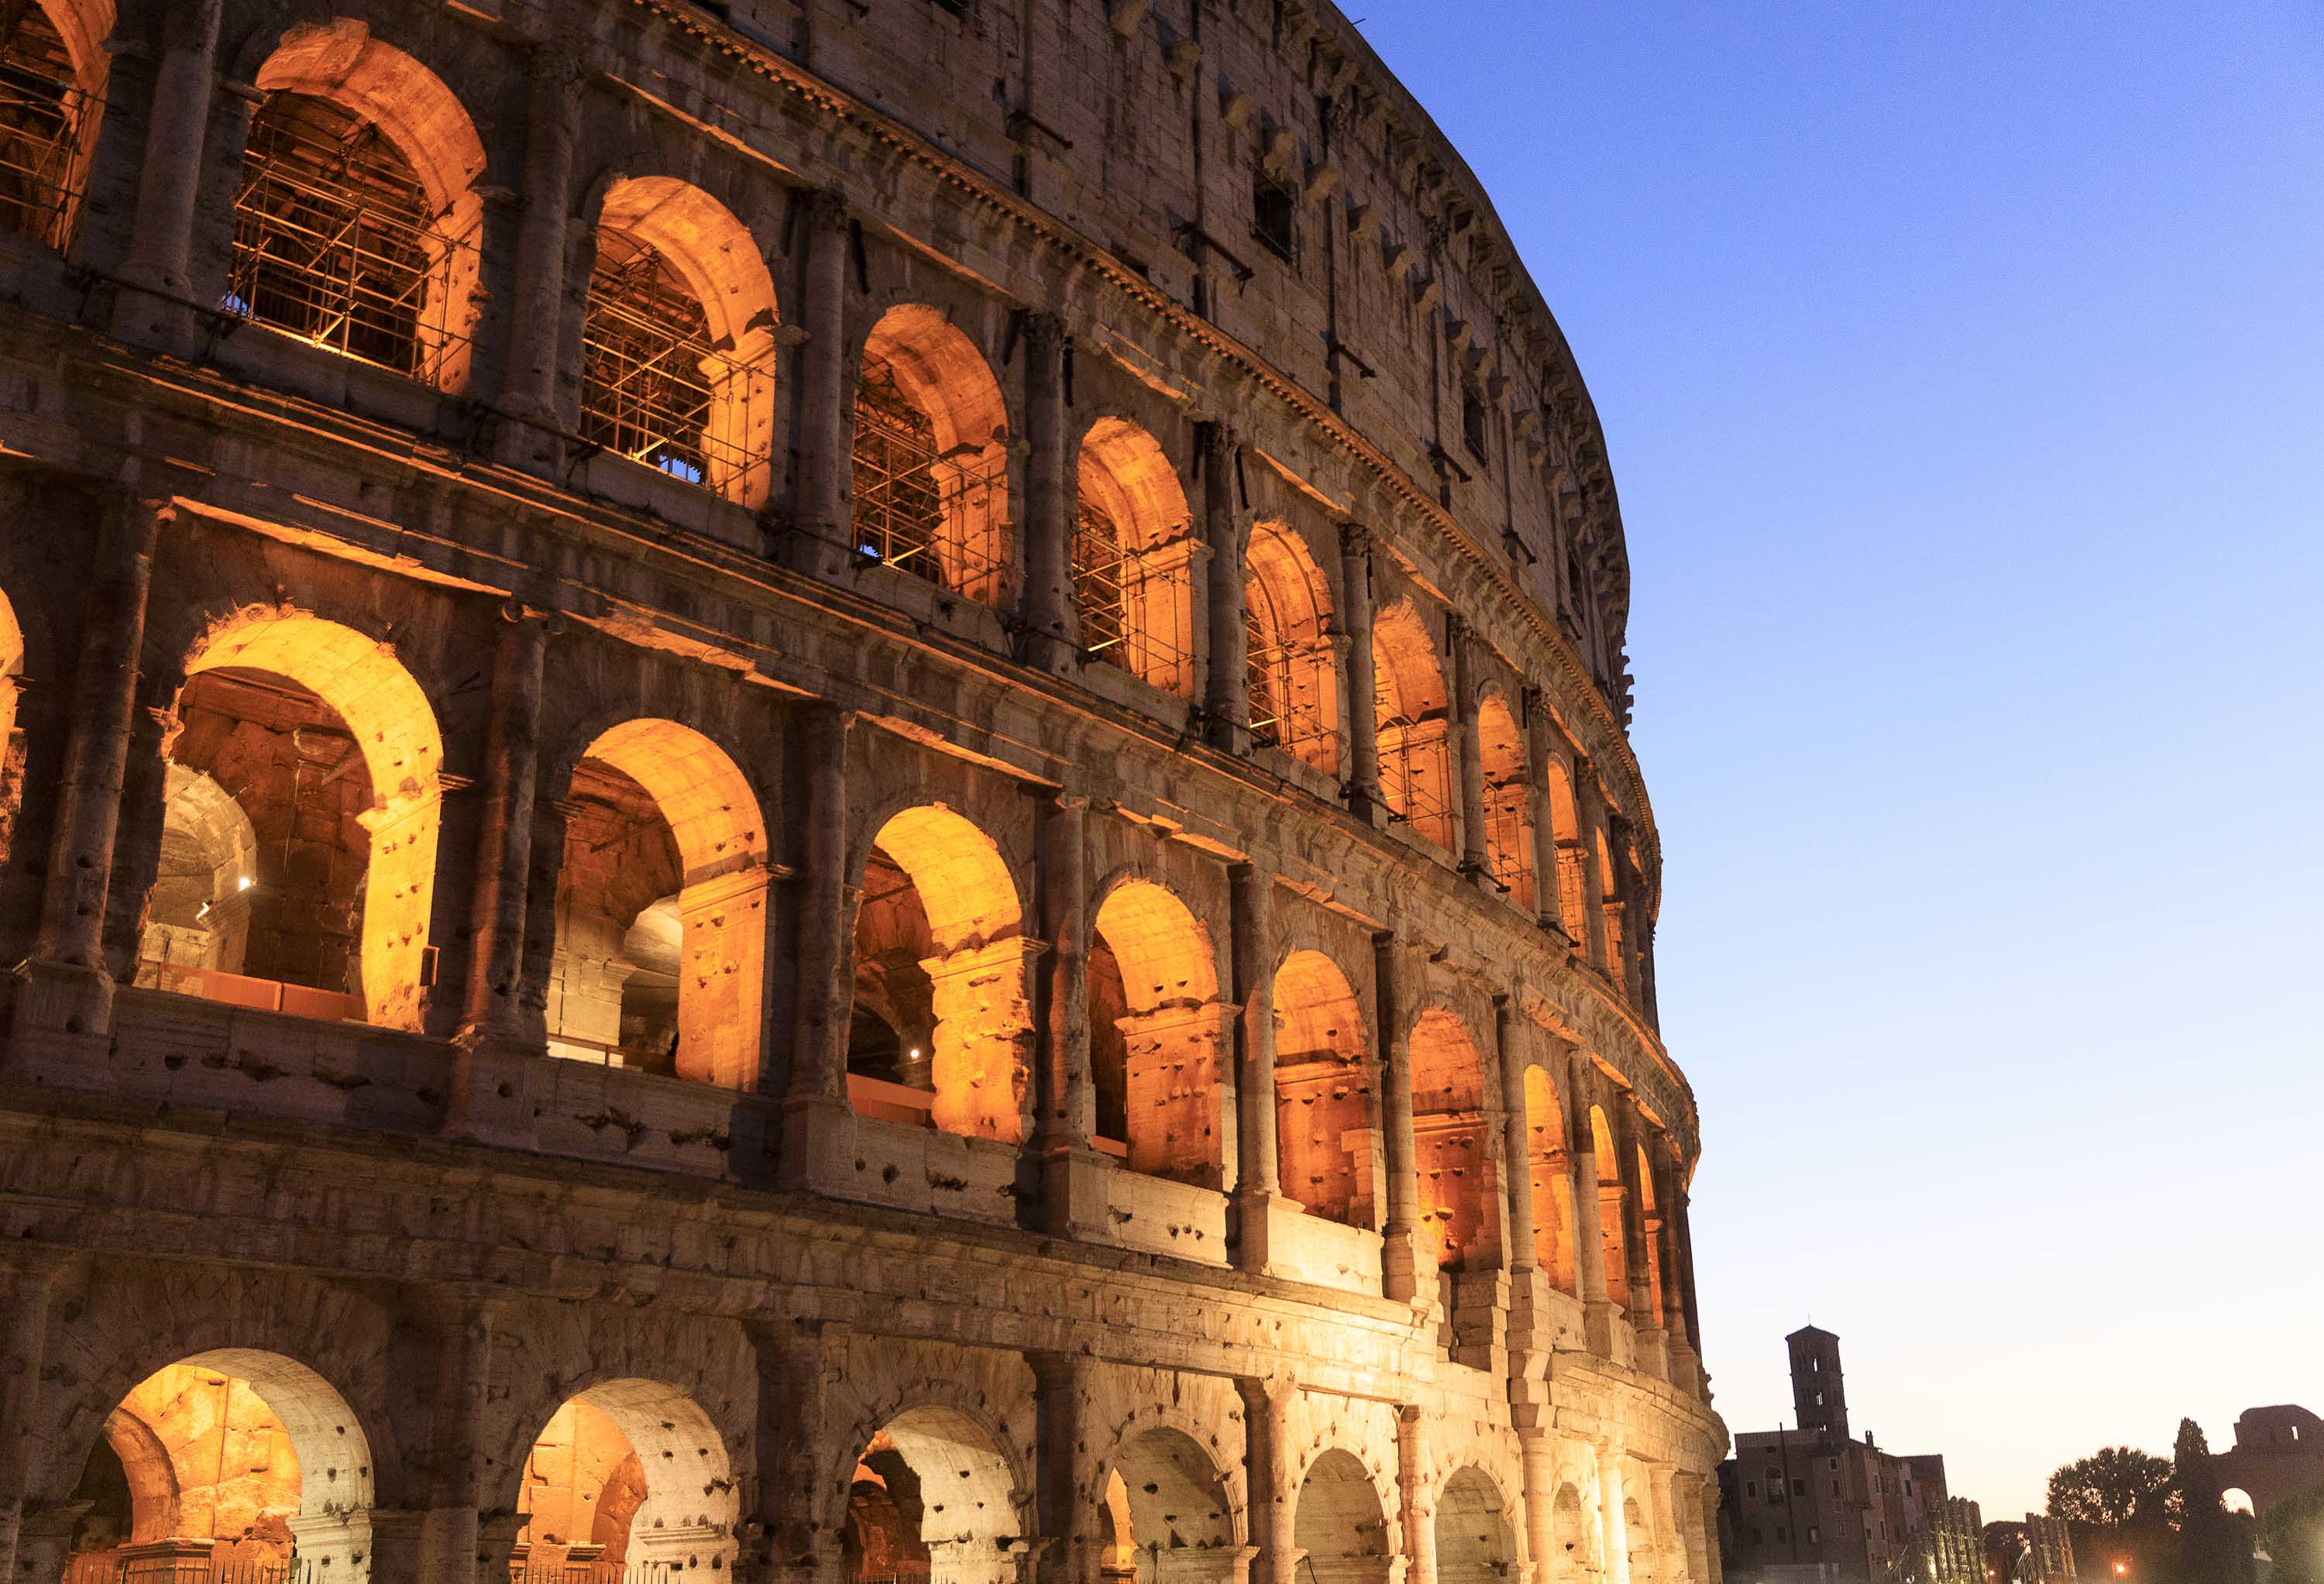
825, 788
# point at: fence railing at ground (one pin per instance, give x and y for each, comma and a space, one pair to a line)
187, 1569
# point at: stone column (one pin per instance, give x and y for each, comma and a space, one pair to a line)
787, 1535
1613, 1525
1073, 1187
1707, 1519
1259, 1175
1061, 1392
1227, 701
28, 1276
1599, 1310
64, 1007
1418, 1516
1516, 1142
1537, 1461
1542, 806
1637, 1240
162, 227
1475, 860
1267, 1474
1052, 621
1400, 1275
1363, 789
551, 125
819, 513
1683, 1236
819, 1126
497, 1035
459, 1328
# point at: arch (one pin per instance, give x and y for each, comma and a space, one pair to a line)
940, 959
1339, 1523
366, 245
1571, 1533
1413, 717
629, 1471
1552, 1183
1172, 1521
678, 339
1326, 1136
1132, 557
930, 455
1457, 1186
394, 733
951, 1493
1611, 1209
661, 908
1650, 1217
1509, 800
1572, 857
1158, 1032
55, 70
1475, 1542
1291, 667
246, 1456
198, 913
11, 746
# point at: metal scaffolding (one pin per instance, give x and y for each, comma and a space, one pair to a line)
1508, 839
43, 117
334, 241
1133, 603
935, 514
1283, 713
649, 376
1416, 773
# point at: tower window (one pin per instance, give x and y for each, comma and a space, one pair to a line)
1473, 423
1275, 217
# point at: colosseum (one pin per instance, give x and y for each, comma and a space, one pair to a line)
837, 788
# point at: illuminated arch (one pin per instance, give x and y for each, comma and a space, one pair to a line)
1412, 718
1552, 1183
688, 900
1650, 1217
1339, 1522
370, 249
936, 884
1611, 1209
1171, 1518
1325, 1127
930, 455
1509, 800
950, 1496
1292, 670
1132, 557
56, 67
1571, 1533
1450, 1129
1158, 1030
1475, 1542
635, 1469
198, 914
1573, 857
395, 730
11, 749
678, 343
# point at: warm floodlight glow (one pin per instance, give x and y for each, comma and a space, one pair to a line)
241, 883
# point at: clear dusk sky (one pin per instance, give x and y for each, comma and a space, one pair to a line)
1962, 370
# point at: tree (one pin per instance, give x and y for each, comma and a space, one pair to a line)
2293, 1534
2213, 1547
2114, 1487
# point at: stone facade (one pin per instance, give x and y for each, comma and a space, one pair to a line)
825, 788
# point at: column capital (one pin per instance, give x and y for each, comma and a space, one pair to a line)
1046, 335
1355, 539
828, 206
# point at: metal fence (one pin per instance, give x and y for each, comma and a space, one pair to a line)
188, 1570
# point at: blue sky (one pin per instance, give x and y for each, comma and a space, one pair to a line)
1962, 369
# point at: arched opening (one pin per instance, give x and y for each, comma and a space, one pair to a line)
942, 1026
1168, 1515
1326, 1138
628, 1479
1569, 1533
930, 456
232, 1463
357, 214
2238, 1501
1291, 667
1573, 857
1509, 801
198, 916
1651, 1220
1611, 1209
1157, 1031
661, 910
1457, 1228
1553, 1181
12, 740
932, 1499
678, 348
330, 752
1339, 1523
1132, 557
52, 74
1412, 719
1640, 1536
1610, 912
1474, 1541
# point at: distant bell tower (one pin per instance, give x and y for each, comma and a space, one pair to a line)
1819, 1395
